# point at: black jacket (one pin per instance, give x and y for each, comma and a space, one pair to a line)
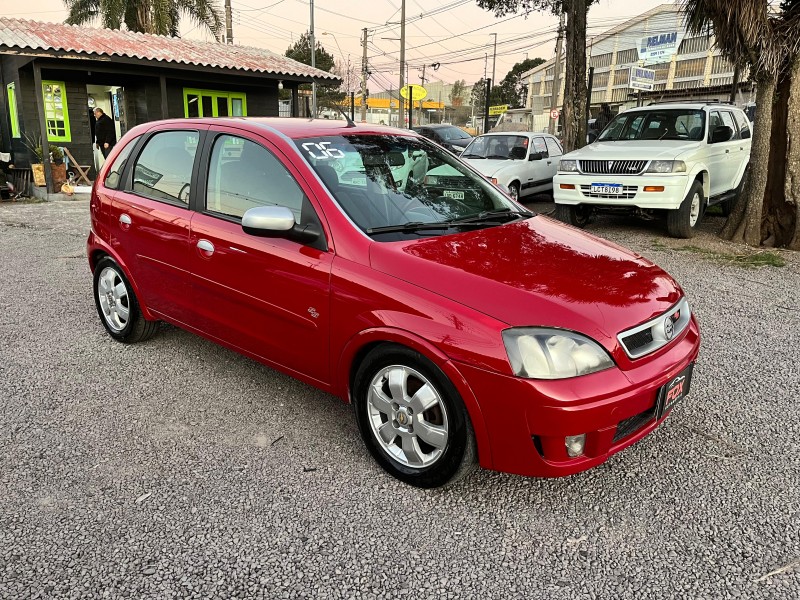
104, 131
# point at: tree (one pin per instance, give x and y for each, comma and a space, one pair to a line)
574, 114
765, 38
478, 96
457, 93
160, 17
328, 95
512, 88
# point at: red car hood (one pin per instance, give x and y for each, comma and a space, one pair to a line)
536, 272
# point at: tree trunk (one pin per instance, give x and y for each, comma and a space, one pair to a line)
575, 76
744, 225
792, 182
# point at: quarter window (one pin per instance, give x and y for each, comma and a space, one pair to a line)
163, 170
114, 175
244, 175
55, 111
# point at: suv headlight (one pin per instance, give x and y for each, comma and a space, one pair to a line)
539, 353
568, 166
667, 166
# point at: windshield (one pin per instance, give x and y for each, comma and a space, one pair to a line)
498, 147
452, 133
656, 124
382, 181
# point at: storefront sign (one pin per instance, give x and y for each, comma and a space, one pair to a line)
642, 79
659, 47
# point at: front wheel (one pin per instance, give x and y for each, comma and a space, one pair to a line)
578, 216
683, 221
412, 418
513, 190
117, 305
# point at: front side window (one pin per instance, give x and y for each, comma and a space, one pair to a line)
114, 175
727, 121
744, 126
395, 187
244, 175
553, 149
12, 109
163, 170
56, 114
501, 147
660, 124
213, 103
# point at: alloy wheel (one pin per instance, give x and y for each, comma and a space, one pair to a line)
114, 300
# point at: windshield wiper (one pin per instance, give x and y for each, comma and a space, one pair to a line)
492, 215
414, 226
472, 156
497, 156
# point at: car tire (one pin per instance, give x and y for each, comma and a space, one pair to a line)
392, 416
513, 190
727, 206
117, 304
576, 215
683, 221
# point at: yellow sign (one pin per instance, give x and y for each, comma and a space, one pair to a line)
418, 91
497, 110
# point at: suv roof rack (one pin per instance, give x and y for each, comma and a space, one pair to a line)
706, 102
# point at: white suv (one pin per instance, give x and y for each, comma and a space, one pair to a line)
680, 158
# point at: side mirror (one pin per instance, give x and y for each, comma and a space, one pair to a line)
536, 156
721, 133
278, 221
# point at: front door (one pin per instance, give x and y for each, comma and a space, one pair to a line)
267, 296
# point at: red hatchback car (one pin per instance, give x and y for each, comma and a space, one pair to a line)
376, 266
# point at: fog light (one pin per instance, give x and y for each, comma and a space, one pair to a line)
575, 444
567, 186
654, 188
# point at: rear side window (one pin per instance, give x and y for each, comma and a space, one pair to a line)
114, 174
163, 170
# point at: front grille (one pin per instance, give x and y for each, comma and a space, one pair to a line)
634, 424
612, 167
628, 192
639, 340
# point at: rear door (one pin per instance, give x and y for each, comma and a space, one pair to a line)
151, 218
266, 296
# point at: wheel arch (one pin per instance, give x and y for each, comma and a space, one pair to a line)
363, 343
700, 174
98, 253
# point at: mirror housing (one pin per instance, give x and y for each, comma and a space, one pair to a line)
536, 156
278, 221
721, 133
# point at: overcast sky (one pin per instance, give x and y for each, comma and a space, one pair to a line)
457, 34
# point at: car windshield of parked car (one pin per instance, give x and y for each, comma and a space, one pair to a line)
451, 134
498, 147
656, 124
397, 187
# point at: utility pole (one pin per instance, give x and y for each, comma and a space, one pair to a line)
419, 116
313, 66
402, 61
557, 72
228, 22
389, 122
364, 75
494, 57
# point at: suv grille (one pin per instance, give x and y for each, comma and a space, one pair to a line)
628, 192
612, 167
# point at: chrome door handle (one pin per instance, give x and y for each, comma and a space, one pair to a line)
205, 246
124, 219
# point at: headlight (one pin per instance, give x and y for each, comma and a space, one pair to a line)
667, 166
537, 353
568, 166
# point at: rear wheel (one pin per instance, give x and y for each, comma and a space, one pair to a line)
578, 215
683, 222
117, 305
412, 418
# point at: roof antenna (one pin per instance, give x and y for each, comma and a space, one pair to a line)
350, 122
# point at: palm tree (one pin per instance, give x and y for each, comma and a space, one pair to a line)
161, 17
765, 39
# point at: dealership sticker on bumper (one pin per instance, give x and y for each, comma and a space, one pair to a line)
675, 391
607, 189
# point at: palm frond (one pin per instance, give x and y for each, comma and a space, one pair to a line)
202, 12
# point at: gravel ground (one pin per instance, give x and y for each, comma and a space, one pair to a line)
178, 469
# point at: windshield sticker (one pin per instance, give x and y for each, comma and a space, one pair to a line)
321, 151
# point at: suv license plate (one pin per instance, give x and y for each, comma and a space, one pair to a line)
454, 195
675, 391
607, 189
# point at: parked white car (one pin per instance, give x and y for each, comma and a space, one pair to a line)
520, 162
678, 158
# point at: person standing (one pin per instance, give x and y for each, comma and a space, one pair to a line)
104, 131
603, 118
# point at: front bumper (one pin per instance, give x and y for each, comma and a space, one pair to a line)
527, 420
633, 190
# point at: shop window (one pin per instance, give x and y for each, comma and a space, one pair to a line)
214, 103
627, 56
12, 109
56, 114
